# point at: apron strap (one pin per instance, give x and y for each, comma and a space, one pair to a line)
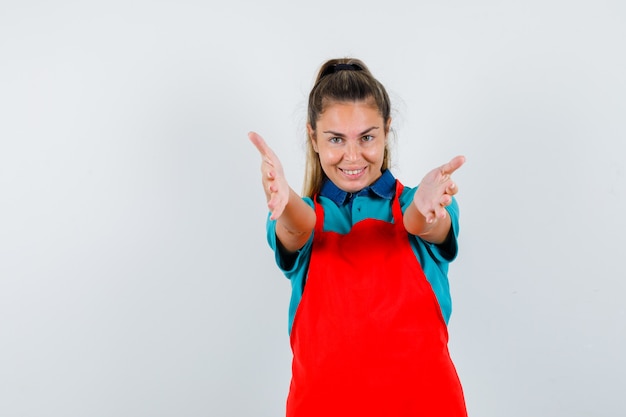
319, 216
396, 209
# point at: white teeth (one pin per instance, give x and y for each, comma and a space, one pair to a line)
352, 172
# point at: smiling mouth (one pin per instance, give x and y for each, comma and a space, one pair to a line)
352, 171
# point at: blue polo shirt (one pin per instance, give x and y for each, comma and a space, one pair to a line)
342, 210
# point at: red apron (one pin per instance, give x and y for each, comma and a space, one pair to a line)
368, 338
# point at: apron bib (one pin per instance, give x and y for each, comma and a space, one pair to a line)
368, 338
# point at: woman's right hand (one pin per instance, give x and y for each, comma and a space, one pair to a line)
274, 182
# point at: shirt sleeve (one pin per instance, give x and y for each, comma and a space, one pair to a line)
448, 250
289, 263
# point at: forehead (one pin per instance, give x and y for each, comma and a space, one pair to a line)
367, 102
350, 113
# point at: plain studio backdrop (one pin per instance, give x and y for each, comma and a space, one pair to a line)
135, 276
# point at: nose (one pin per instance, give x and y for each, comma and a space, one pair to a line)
352, 151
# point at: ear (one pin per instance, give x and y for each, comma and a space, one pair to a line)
312, 138
388, 126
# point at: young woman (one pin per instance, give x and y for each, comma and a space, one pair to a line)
367, 259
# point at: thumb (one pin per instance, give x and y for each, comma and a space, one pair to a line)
258, 142
454, 164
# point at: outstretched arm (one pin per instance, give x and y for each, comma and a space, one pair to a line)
427, 216
295, 219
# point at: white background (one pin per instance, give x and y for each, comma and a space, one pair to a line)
135, 279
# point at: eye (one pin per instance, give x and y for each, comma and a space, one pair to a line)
335, 140
367, 138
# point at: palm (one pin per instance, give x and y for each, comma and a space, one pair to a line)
274, 182
436, 190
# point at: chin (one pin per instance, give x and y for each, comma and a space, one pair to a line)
353, 188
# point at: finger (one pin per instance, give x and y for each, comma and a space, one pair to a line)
276, 212
452, 189
439, 212
258, 142
430, 218
454, 164
265, 151
276, 208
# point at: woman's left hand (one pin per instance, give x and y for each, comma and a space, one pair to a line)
435, 191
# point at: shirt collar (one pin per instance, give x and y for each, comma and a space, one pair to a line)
383, 187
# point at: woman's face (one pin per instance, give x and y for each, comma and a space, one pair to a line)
350, 140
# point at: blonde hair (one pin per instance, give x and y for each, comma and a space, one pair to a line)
341, 80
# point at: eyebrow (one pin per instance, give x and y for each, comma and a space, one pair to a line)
366, 131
